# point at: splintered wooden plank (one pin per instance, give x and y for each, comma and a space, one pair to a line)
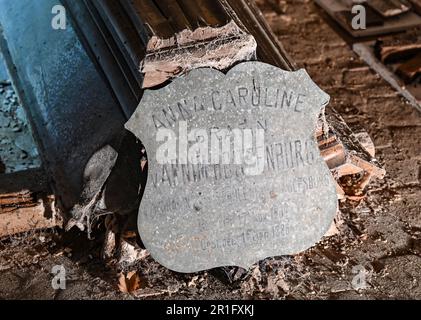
349, 156
334, 156
26, 203
123, 30
403, 22
362, 136
23, 199
389, 8
398, 48
410, 92
203, 13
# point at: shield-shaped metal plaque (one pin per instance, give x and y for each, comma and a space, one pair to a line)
234, 170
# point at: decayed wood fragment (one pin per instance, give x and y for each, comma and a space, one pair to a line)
26, 203
351, 161
365, 141
218, 48
410, 70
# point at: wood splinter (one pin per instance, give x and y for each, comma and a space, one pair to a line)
218, 48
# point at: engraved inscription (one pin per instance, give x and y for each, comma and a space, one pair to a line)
235, 174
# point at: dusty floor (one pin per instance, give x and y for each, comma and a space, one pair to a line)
377, 251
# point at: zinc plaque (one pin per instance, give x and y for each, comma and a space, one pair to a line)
234, 170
